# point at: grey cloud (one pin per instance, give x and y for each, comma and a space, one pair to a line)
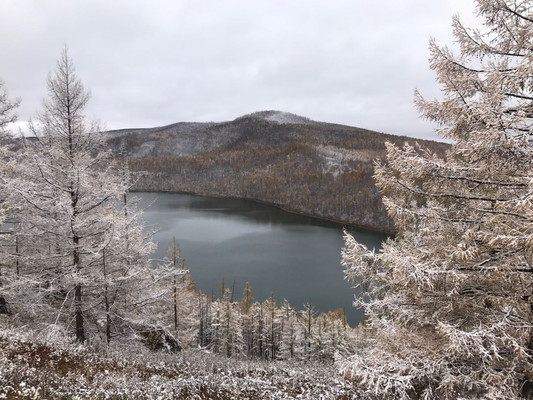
154, 63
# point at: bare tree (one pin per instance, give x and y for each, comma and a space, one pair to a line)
450, 298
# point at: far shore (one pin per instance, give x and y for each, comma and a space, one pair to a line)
346, 224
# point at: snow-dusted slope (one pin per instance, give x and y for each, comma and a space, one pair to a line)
282, 117
56, 369
277, 157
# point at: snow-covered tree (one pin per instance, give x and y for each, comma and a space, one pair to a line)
257, 330
290, 345
7, 116
205, 326
7, 108
246, 304
124, 286
271, 328
450, 298
176, 266
247, 299
226, 325
72, 237
307, 319
177, 307
339, 333
330, 336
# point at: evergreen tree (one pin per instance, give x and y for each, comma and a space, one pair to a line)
450, 298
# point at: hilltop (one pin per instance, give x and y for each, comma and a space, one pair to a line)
316, 168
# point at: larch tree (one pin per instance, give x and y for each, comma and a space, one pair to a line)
450, 298
289, 346
205, 330
227, 336
7, 116
68, 192
174, 267
177, 306
270, 328
247, 299
307, 317
122, 285
246, 304
7, 108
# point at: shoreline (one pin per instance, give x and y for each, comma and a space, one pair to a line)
281, 207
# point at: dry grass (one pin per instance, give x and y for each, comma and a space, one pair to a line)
31, 369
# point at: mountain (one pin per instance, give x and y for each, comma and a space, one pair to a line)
304, 166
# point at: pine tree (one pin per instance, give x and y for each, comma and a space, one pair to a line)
450, 298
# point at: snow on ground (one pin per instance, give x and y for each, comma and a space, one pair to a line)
282, 117
31, 368
339, 155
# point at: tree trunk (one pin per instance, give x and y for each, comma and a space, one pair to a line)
175, 302
106, 301
80, 331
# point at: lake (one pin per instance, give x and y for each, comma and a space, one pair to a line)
294, 257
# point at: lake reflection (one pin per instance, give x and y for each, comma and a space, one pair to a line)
292, 256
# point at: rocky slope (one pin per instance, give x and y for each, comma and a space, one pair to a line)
316, 168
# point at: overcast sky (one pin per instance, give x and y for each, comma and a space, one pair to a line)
152, 63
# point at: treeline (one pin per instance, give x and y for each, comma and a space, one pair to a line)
161, 306
319, 169
75, 255
246, 328
293, 176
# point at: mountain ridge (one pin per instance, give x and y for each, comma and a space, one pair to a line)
315, 168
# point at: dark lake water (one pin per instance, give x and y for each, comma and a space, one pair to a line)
292, 256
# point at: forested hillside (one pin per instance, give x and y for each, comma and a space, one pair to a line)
301, 165
76, 267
